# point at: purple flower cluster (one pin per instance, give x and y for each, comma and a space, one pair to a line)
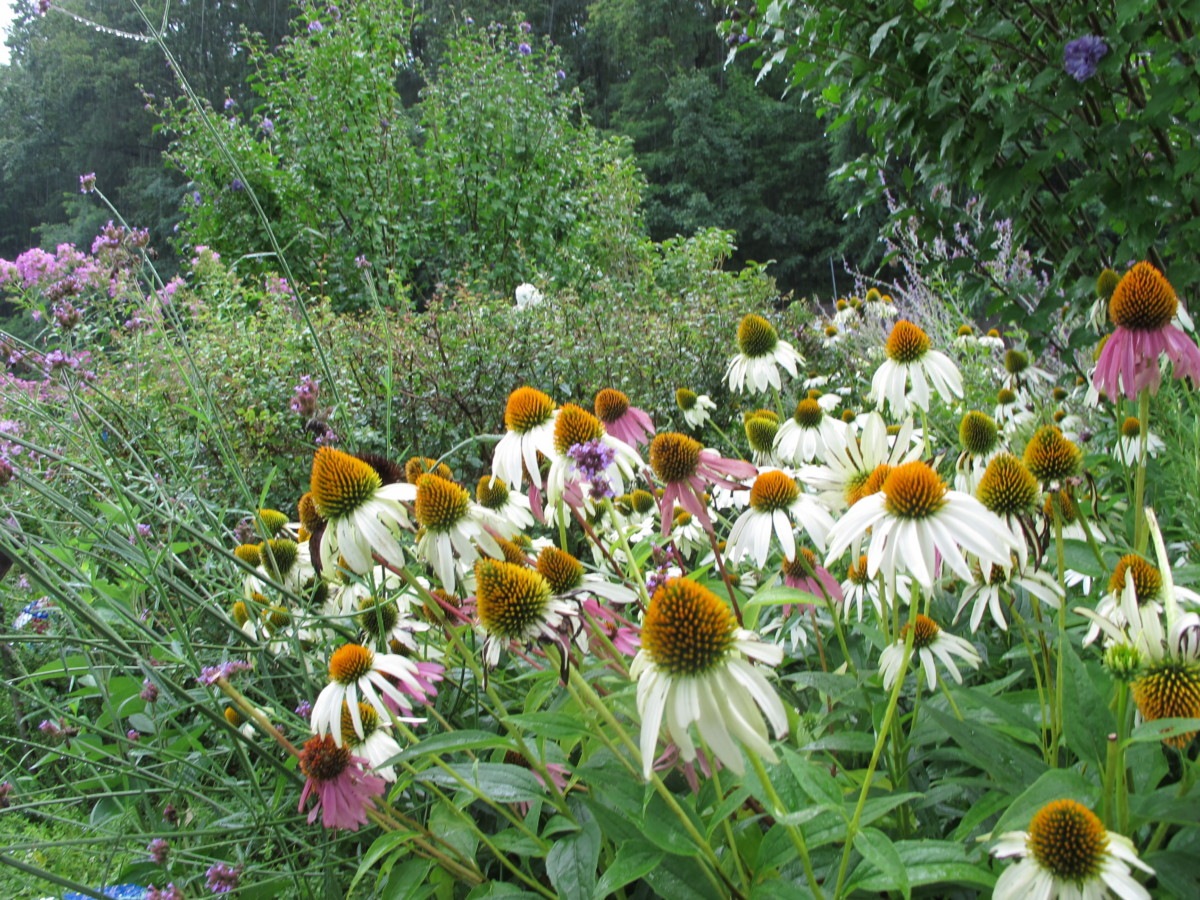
222, 879
591, 461
159, 849
1082, 55
149, 691
87, 183
304, 396
209, 674
170, 892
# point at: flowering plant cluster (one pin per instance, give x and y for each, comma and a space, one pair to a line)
866, 634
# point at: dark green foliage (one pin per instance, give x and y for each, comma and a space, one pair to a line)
1098, 172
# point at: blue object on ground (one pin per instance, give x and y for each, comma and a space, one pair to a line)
115, 892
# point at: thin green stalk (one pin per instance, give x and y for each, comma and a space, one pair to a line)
1056, 729
880, 740
1141, 534
582, 690
730, 839
1035, 664
794, 832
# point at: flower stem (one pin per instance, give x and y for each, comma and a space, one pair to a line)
1140, 532
793, 831
1056, 725
884, 730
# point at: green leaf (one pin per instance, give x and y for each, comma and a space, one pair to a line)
1087, 720
454, 741
499, 782
881, 34
924, 863
571, 862
1161, 729
663, 829
1002, 758
387, 844
815, 781
877, 849
631, 863
1056, 784
780, 594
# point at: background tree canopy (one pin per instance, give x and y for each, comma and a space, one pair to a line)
712, 150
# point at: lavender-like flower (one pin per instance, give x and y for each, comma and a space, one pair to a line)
222, 879
159, 849
87, 183
1082, 55
209, 674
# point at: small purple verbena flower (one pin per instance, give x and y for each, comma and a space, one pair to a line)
237, 185
524, 49
304, 709
149, 691
334, 13
267, 126
50, 728
304, 399
196, 199
170, 892
43, 7
1082, 55
134, 735
362, 262
230, 103
526, 27
159, 849
144, 530
209, 674
222, 879
592, 459
87, 183
560, 75
315, 27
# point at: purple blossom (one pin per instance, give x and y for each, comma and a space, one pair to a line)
361, 261
1081, 56
170, 892
43, 7
230, 103
304, 709
87, 183
222, 879
159, 849
267, 126
524, 49
149, 691
209, 674
315, 27
195, 198
237, 185
134, 735
526, 27
304, 399
592, 458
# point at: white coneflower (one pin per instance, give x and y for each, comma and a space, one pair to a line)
695, 407
762, 355
529, 420
850, 460
807, 434
776, 507
1128, 448
355, 670
929, 643
694, 668
913, 520
990, 591
515, 604
376, 746
1067, 853
363, 515
451, 527
911, 361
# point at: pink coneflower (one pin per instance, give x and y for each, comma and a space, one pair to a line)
624, 422
687, 468
804, 573
1142, 307
344, 791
